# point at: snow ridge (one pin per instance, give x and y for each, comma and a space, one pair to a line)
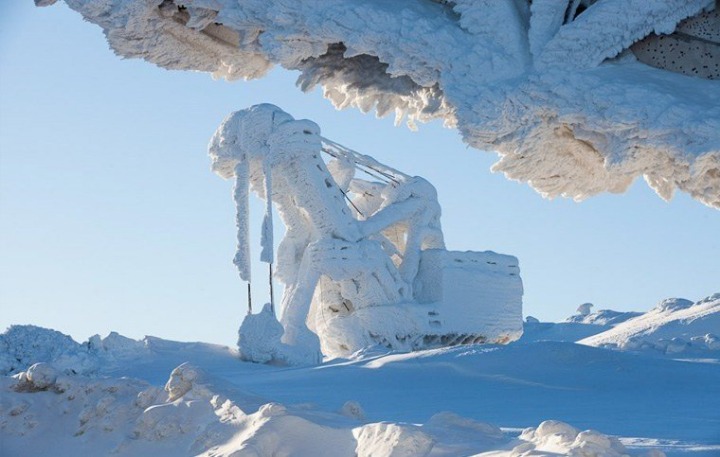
673, 327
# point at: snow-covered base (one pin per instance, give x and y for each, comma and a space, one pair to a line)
163, 398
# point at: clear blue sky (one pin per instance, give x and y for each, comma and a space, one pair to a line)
110, 218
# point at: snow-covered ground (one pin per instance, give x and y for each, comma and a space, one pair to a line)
158, 397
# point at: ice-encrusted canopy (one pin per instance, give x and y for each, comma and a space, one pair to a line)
577, 97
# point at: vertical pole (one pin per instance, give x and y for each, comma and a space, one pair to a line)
249, 299
272, 296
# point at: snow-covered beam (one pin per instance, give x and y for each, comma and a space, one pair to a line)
551, 86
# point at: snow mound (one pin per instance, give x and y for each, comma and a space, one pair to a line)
259, 338
673, 327
560, 438
673, 304
122, 416
23, 345
567, 96
40, 376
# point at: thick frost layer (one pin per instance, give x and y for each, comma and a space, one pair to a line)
551, 86
363, 260
674, 326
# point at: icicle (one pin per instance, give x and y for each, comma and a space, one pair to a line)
240, 195
272, 293
266, 239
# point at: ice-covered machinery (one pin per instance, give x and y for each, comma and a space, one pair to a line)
363, 258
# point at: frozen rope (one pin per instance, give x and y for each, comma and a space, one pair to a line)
380, 176
272, 295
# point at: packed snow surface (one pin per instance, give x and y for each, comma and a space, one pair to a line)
554, 87
123, 397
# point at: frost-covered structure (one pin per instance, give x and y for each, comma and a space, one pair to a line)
363, 260
577, 96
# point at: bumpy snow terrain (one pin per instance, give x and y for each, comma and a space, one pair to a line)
119, 396
578, 97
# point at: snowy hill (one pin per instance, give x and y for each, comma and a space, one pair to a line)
674, 326
116, 395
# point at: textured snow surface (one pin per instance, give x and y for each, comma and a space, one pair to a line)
165, 398
674, 327
559, 96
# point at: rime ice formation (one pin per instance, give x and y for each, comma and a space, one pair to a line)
363, 260
577, 96
585, 309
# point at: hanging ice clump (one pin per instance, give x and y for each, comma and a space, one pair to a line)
363, 260
577, 97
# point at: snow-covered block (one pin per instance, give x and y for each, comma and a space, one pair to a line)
478, 293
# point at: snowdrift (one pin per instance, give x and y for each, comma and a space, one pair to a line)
577, 97
675, 326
